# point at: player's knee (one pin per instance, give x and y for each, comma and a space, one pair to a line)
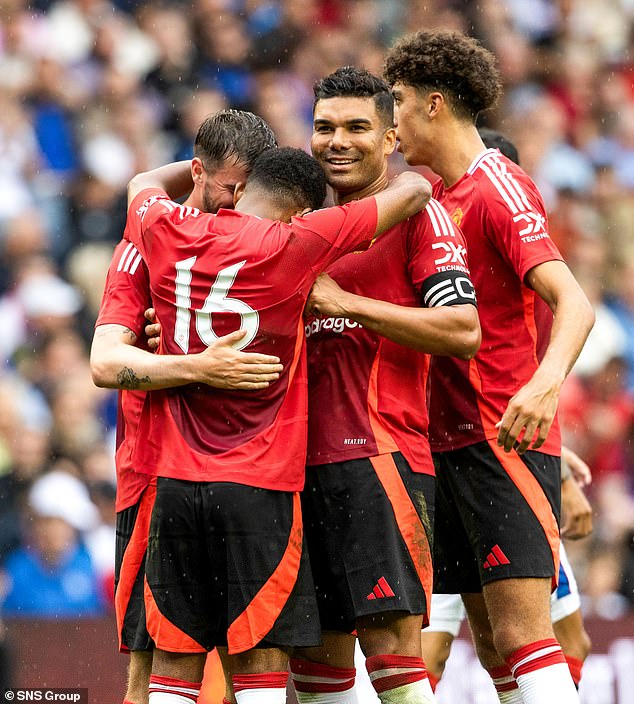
507, 638
390, 635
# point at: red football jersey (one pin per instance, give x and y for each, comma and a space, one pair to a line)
503, 218
125, 298
367, 393
209, 275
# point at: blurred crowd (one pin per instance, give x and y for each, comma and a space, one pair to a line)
93, 91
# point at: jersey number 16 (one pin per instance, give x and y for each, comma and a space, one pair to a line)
216, 302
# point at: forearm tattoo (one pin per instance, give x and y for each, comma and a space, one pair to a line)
127, 379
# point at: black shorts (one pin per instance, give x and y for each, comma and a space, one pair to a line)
227, 565
133, 526
369, 524
497, 517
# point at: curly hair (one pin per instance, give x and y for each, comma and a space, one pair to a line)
291, 177
449, 62
353, 82
235, 135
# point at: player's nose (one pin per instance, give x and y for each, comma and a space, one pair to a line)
339, 139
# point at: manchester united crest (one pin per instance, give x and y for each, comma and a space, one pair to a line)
457, 216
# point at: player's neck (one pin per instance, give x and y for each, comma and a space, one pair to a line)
376, 186
455, 151
261, 207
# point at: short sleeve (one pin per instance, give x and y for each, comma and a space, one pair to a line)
434, 245
327, 234
127, 291
146, 208
515, 220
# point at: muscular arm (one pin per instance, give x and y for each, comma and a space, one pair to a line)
175, 179
445, 330
408, 193
117, 364
534, 406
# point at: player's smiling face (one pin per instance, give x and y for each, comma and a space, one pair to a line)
351, 142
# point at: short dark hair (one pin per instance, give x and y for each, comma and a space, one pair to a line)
235, 135
496, 140
291, 176
449, 62
353, 82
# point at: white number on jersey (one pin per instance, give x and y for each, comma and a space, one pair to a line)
216, 302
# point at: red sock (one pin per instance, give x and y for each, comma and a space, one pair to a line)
502, 678
433, 680
267, 685
184, 690
127, 701
535, 656
575, 666
391, 671
313, 677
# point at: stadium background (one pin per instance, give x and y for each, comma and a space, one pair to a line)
92, 91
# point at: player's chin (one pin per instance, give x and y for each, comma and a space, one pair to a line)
342, 181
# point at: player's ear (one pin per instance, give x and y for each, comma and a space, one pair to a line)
389, 141
238, 192
435, 101
197, 171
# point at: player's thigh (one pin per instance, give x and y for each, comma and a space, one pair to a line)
455, 563
270, 591
184, 599
519, 612
509, 507
132, 527
368, 523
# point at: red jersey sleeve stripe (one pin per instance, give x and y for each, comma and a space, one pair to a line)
261, 613
513, 185
135, 264
134, 556
440, 226
124, 256
409, 523
513, 204
447, 225
129, 259
164, 633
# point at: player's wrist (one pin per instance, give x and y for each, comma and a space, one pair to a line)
191, 368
